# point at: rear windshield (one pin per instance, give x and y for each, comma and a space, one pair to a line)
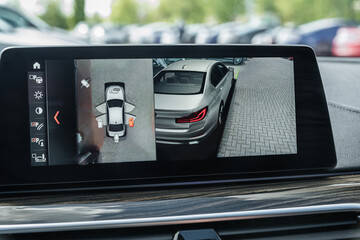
116, 127
115, 103
179, 82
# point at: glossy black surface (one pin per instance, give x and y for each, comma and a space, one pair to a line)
178, 201
314, 136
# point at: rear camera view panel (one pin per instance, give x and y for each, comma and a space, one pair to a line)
115, 111
229, 107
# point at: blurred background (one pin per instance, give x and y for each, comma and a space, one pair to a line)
331, 27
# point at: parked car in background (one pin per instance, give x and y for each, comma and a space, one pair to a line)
22, 19
211, 34
240, 34
181, 33
235, 61
110, 33
190, 32
149, 33
267, 37
103, 33
82, 30
190, 97
171, 36
318, 34
19, 29
347, 42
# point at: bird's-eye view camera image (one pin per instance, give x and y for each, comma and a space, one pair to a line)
115, 113
224, 107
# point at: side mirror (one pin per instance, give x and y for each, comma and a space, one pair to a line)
231, 69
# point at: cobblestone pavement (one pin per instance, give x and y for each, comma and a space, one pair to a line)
261, 117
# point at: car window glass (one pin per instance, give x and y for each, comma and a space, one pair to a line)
179, 82
224, 70
13, 19
115, 103
216, 75
116, 127
4, 26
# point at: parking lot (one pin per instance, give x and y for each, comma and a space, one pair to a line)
261, 116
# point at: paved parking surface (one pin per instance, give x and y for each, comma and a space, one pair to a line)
261, 118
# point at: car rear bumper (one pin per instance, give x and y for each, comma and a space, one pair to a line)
192, 135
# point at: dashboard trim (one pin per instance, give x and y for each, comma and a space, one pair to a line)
174, 220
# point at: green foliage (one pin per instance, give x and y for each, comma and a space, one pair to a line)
14, 4
302, 11
198, 11
124, 11
173, 10
96, 18
53, 15
225, 10
79, 12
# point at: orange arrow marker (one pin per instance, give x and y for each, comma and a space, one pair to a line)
55, 117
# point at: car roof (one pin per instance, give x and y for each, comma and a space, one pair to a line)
322, 24
196, 65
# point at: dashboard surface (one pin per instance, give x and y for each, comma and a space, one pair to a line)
341, 91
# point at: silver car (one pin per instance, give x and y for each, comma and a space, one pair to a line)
115, 112
190, 97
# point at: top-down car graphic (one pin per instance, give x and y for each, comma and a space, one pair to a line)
116, 111
190, 97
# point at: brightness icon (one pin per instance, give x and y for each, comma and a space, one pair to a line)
38, 95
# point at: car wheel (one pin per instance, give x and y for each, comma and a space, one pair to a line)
221, 114
237, 61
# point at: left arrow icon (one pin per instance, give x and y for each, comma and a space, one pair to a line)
55, 117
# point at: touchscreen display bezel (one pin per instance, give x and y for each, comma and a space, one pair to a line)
315, 146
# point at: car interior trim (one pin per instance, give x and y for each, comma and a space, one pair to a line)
181, 219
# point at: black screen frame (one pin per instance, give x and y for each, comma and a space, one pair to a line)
315, 145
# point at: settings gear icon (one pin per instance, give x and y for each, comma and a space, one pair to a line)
38, 95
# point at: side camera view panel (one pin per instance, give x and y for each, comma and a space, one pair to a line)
115, 111
224, 107
261, 119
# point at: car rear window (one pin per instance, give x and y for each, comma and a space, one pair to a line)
115, 103
179, 82
116, 127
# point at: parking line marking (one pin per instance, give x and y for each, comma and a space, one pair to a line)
237, 73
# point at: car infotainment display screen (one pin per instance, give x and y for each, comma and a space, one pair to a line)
150, 114
160, 109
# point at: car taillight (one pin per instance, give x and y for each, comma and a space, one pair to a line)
194, 117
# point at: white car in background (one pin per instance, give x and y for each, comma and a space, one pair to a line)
190, 98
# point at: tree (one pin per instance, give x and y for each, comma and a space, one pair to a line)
174, 10
53, 15
79, 12
124, 11
225, 10
96, 18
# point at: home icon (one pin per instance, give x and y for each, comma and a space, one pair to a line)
36, 65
